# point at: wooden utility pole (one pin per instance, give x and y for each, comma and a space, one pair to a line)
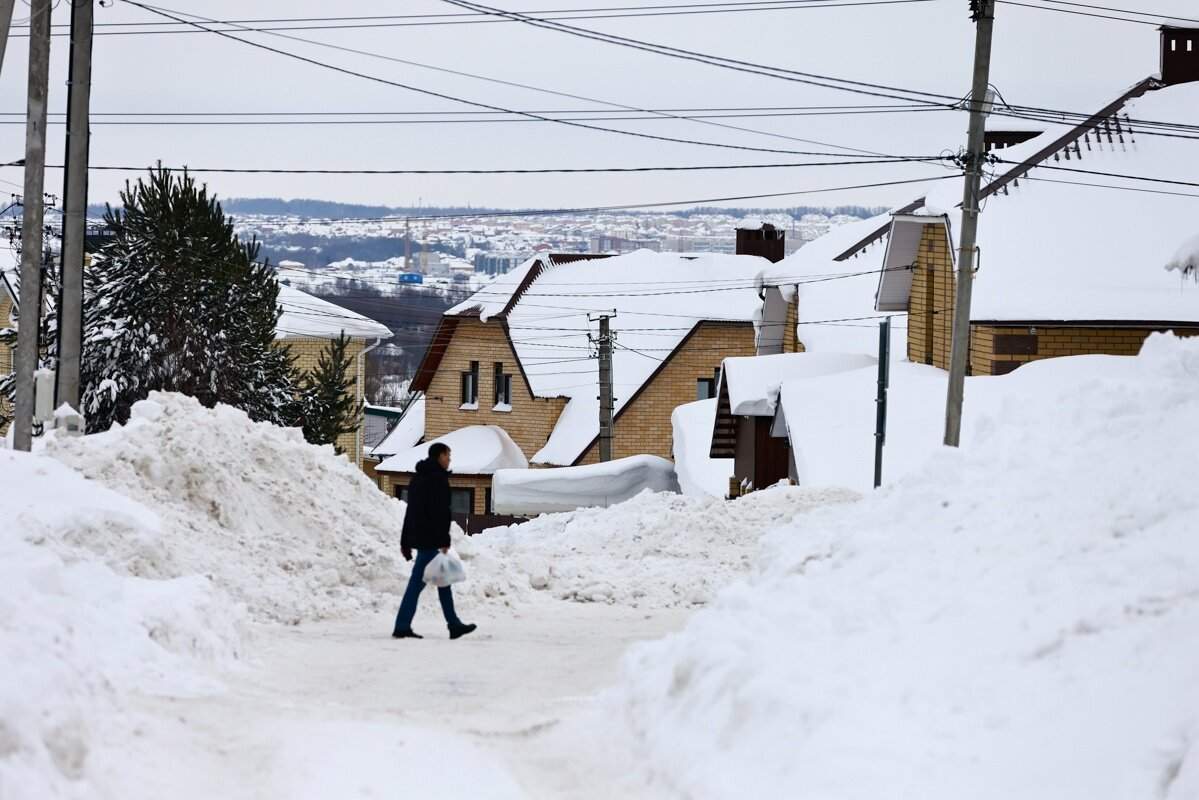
74, 217
983, 14
6, 7
31, 223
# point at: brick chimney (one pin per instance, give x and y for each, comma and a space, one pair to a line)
1180, 55
763, 240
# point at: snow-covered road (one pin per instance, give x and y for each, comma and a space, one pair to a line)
335, 698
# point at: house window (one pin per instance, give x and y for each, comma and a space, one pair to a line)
1190, 45
503, 386
402, 493
705, 388
470, 386
462, 501
487, 507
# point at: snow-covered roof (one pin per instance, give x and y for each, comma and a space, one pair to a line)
476, 450
753, 381
657, 298
406, 433
1061, 245
836, 298
308, 317
545, 491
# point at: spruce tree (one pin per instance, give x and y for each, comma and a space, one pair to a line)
329, 407
175, 301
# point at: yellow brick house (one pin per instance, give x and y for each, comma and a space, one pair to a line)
1064, 269
518, 355
308, 324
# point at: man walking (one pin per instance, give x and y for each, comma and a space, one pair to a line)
427, 530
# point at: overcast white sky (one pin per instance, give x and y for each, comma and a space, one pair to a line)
1040, 58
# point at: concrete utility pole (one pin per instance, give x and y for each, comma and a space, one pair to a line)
31, 222
74, 218
607, 401
6, 7
983, 14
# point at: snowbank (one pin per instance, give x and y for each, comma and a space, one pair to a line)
543, 491
1016, 619
76, 638
291, 530
698, 473
656, 550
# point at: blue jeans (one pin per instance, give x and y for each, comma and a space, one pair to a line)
412, 594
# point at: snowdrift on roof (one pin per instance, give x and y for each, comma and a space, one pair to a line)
305, 316
474, 450
1055, 248
753, 381
1014, 619
543, 491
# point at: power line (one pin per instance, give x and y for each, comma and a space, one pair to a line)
427, 20
825, 81
443, 96
515, 171
489, 79
1160, 18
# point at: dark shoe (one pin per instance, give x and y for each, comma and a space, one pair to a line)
461, 630
408, 634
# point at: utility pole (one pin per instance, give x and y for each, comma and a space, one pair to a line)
983, 14
74, 217
6, 7
31, 222
606, 400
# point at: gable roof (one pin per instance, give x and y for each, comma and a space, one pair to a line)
545, 306
836, 298
8, 284
1053, 139
308, 317
1055, 249
903, 244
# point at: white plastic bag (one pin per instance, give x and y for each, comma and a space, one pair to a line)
444, 569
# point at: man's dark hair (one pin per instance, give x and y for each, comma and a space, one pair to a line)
437, 448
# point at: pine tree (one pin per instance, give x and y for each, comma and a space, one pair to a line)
329, 407
175, 301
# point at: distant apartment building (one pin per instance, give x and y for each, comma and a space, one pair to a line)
498, 263
619, 244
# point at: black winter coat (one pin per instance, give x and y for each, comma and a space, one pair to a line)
427, 521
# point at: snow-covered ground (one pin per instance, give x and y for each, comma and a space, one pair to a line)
195, 605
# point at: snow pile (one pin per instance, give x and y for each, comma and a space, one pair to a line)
1014, 620
75, 637
287, 528
654, 551
698, 473
542, 491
